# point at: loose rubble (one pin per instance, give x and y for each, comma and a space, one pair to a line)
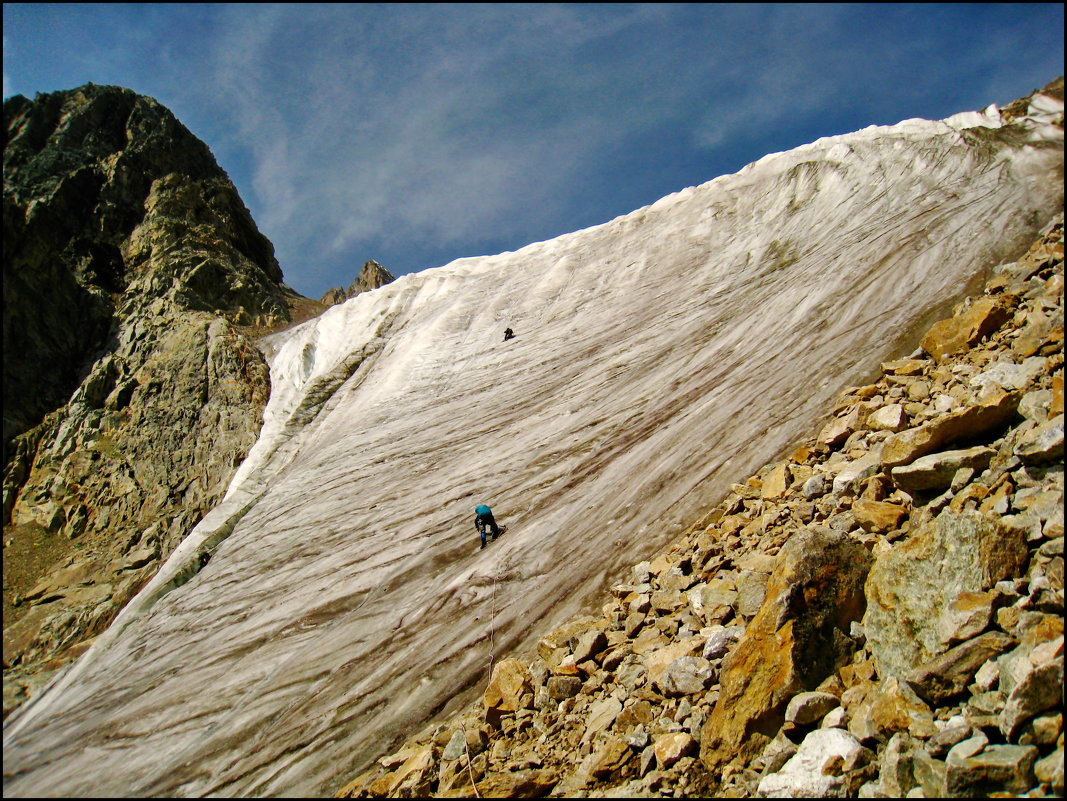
879, 615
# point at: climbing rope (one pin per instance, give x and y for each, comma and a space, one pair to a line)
470, 770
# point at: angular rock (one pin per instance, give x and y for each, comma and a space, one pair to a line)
948, 675
965, 749
601, 715
910, 585
837, 430
512, 784
1043, 444
667, 600
814, 487
1050, 771
687, 675
776, 483
1009, 375
658, 661
413, 774
959, 333
888, 418
819, 769
936, 470
751, 590
589, 645
509, 683
848, 479
999, 768
671, 747
905, 366
721, 640
992, 415
805, 708
1040, 689
757, 562
609, 757
708, 599
878, 516
930, 773
892, 707
797, 638
897, 765
969, 614
560, 687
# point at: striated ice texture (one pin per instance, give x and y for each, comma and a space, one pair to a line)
658, 358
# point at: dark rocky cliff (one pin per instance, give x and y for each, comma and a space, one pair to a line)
132, 271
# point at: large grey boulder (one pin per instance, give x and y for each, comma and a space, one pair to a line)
909, 587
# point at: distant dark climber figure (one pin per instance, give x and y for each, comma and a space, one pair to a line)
508, 334
205, 557
483, 520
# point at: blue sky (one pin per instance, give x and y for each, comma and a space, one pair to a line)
417, 134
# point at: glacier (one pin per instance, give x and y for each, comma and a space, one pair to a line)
658, 357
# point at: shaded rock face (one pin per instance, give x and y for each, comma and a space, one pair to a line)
82, 170
130, 392
372, 276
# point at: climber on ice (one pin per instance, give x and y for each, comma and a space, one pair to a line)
484, 521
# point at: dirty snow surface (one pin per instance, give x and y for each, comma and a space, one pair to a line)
658, 358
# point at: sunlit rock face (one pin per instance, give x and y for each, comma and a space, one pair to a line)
372, 276
656, 358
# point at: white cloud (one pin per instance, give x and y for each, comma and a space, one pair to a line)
435, 123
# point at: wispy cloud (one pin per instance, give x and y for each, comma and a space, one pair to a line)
416, 133
438, 125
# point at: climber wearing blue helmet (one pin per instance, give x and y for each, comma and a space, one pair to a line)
483, 520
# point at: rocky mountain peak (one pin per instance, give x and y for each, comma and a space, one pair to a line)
132, 270
110, 203
372, 276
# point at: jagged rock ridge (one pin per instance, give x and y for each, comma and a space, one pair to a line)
372, 276
130, 392
659, 355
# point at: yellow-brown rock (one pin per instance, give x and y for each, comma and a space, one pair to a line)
657, 662
878, 516
992, 414
904, 367
671, 747
513, 784
893, 707
792, 644
509, 682
958, 333
776, 483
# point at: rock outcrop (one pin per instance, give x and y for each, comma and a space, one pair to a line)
131, 393
372, 276
828, 630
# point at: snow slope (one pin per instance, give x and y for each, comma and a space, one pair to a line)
658, 357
